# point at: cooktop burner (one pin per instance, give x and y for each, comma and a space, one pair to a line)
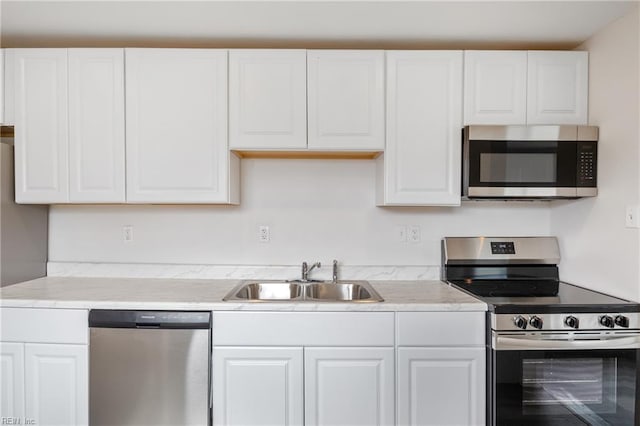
508, 288
568, 298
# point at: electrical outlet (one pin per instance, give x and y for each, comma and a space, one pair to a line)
127, 233
401, 233
632, 217
413, 235
263, 234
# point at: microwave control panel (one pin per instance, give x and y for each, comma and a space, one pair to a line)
587, 164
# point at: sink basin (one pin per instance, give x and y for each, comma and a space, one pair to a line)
257, 291
301, 291
343, 292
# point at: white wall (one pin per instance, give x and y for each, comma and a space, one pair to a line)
316, 210
598, 251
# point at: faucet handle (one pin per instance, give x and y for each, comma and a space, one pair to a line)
335, 271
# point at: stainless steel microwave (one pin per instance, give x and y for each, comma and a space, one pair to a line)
529, 162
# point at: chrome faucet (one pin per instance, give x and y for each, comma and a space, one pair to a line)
335, 271
306, 269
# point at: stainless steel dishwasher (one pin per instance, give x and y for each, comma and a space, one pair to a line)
149, 368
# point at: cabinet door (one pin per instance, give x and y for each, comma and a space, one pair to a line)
346, 99
41, 126
57, 384
558, 85
176, 126
421, 163
441, 386
257, 386
267, 99
349, 386
11, 380
2, 101
495, 87
96, 125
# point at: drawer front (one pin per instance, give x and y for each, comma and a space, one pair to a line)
441, 329
44, 325
303, 328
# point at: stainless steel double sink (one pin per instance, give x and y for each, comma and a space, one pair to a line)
303, 291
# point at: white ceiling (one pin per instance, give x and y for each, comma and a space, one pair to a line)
358, 24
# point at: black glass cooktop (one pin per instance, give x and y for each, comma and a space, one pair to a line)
539, 296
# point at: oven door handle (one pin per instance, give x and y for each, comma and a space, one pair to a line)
514, 343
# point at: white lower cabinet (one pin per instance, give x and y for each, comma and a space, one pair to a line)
349, 386
258, 386
303, 368
56, 384
11, 380
44, 375
45, 383
281, 386
441, 386
349, 368
441, 368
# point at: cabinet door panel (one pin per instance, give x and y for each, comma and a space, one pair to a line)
41, 125
441, 386
495, 87
96, 117
421, 163
558, 85
11, 380
267, 99
349, 386
176, 126
2, 91
346, 99
57, 384
257, 386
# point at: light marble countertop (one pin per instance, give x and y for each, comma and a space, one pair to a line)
207, 294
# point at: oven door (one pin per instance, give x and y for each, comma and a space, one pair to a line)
575, 382
500, 168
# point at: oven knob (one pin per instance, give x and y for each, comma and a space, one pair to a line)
622, 321
606, 321
571, 321
520, 322
536, 322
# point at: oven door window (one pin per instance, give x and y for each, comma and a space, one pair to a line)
522, 164
597, 387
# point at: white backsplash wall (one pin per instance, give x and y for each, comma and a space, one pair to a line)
599, 252
315, 209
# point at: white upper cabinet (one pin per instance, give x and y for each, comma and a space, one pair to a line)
69, 124
41, 125
421, 163
176, 127
495, 87
558, 84
345, 99
526, 87
96, 125
267, 99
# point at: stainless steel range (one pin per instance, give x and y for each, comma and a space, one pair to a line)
557, 354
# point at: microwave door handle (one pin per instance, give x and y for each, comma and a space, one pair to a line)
514, 343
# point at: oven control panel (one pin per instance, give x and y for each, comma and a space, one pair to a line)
565, 322
506, 247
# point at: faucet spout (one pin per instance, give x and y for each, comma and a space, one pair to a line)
306, 269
